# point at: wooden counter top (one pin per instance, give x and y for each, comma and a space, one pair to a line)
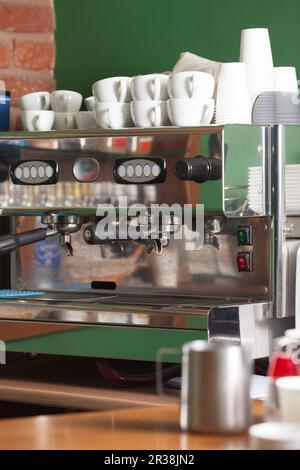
145, 428
73, 383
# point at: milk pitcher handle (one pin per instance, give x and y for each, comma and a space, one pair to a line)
161, 353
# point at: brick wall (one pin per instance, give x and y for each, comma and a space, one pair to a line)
27, 49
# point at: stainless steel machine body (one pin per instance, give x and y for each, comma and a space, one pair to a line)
125, 298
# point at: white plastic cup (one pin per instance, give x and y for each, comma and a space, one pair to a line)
190, 112
233, 95
289, 398
112, 90
152, 87
256, 53
194, 85
286, 79
233, 89
149, 113
256, 48
113, 115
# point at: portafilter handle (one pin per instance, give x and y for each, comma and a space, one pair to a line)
12, 242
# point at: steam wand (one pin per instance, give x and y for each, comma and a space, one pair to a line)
56, 224
9, 243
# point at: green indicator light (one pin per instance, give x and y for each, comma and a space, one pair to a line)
242, 236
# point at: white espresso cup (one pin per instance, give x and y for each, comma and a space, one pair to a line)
85, 120
113, 90
149, 113
39, 100
40, 120
289, 398
150, 87
90, 103
64, 101
190, 112
64, 121
196, 85
113, 115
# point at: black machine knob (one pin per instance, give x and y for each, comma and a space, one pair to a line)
199, 169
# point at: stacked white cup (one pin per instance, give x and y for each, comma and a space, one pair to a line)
191, 102
256, 53
86, 119
65, 104
149, 105
35, 112
42, 111
90, 103
112, 102
233, 95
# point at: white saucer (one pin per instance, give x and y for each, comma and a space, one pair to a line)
275, 436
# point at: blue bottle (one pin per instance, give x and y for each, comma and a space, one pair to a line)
4, 111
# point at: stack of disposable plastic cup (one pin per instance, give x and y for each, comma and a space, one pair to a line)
256, 53
233, 96
286, 79
276, 107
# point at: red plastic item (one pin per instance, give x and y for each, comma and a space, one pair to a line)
282, 366
120, 142
242, 263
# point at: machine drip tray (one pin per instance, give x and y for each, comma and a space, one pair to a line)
57, 297
155, 310
83, 297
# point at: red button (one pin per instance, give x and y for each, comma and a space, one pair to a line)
242, 263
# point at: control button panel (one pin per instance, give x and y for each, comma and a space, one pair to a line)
245, 235
34, 172
245, 262
86, 170
149, 170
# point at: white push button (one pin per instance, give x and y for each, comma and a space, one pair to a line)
18, 173
41, 171
26, 172
147, 170
121, 171
33, 172
130, 171
49, 171
138, 171
155, 171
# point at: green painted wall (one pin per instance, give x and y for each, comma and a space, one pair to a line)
110, 342
101, 38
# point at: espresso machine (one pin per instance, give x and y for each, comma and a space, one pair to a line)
80, 282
